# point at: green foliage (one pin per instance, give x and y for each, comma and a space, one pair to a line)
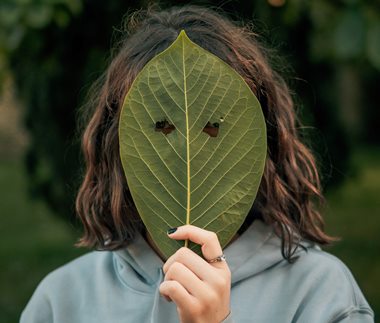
56, 48
188, 176
53, 63
348, 33
55, 52
18, 17
30, 42
373, 43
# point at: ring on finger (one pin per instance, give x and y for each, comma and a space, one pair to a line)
220, 258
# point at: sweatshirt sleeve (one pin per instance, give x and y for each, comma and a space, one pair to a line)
38, 309
331, 293
355, 315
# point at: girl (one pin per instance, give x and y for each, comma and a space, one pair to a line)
272, 271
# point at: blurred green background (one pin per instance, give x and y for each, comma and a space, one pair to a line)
52, 50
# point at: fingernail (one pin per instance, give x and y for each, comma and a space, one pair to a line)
171, 230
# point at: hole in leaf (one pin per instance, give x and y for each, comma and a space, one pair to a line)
211, 129
164, 126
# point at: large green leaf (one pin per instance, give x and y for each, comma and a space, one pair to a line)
188, 176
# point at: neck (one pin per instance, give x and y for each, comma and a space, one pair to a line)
153, 245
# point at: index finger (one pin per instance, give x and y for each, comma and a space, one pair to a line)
208, 240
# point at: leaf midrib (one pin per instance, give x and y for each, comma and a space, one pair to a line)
187, 138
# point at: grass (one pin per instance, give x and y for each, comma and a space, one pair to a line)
34, 241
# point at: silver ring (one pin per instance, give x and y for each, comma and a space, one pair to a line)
217, 259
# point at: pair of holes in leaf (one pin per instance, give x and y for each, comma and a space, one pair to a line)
210, 129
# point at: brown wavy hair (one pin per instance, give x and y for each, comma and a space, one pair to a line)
290, 189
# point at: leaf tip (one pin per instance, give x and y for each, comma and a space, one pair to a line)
183, 34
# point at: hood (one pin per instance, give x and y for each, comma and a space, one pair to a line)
256, 250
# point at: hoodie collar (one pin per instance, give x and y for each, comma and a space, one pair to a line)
257, 249
244, 255
141, 259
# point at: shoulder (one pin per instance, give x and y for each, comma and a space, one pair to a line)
70, 279
323, 265
79, 269
322, 268
326, 278
315, 257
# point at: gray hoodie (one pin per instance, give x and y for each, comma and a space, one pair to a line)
122, 286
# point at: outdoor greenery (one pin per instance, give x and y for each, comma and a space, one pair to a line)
54, 49
33, 241
353, 214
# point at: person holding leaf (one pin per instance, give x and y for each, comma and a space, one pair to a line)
198, 195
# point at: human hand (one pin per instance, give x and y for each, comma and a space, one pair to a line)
201, 290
